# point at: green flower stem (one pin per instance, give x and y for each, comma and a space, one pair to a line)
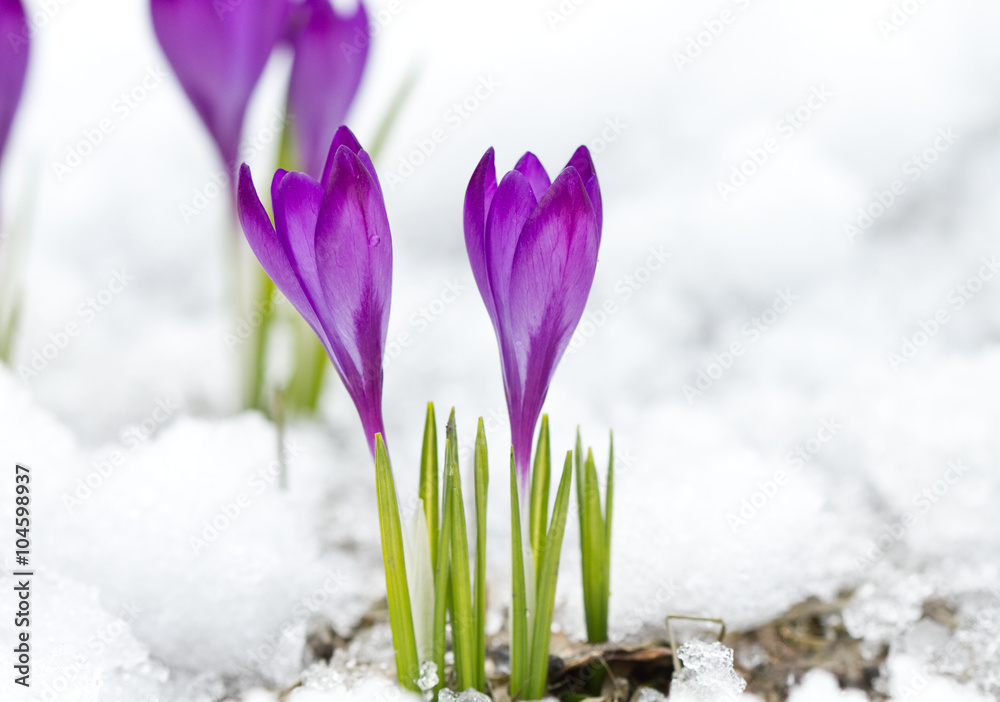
455, 595
429, 479
462, 624
392, 113
14, 241
609, 495
592, 544
442, 576
518, 609
398, 594
311, 362
547, 576
264, 292
10, 319
540, 480
482, 481
595, 540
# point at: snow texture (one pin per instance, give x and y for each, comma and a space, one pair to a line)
707, 674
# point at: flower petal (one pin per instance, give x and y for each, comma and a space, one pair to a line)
297, 199
354, 253
584, 165
342, 137
219, 50
531, 168
14, 47
512, 204
552, 273
478, 197
271, 250
330, 55
345, 137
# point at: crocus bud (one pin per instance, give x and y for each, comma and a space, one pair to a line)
330, 253
14, 47
330, 55
533, 247
218, 51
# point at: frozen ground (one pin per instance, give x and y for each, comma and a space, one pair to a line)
718, 510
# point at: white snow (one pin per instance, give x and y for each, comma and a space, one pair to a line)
470, 695
707, 674
821, 686
849, 444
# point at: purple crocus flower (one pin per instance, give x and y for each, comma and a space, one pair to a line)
533, 247
13, 63
330, 55
330, 253
219, 48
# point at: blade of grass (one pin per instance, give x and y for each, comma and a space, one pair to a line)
305, 385
539, 661
609, 494
540, 480
482, 482
12, 256
392, 113
462, 626
578, 464
400, 615
429, 479
592, 544
451, 456
441, 575
264, 304
11, 326
581, 508
518, 607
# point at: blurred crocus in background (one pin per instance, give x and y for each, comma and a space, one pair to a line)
533, 247
330, 55
330, 253
219, 50
13, 64
14, 48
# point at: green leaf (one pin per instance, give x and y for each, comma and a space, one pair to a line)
580, 503
482, 482
441, 576
548, 574
578, 462
392, 113
429, 479
264, 304
10, 319
609, 495
451, 434
287, 148
310, 364
540, 480
518, 608
400, 615
593, 552
462, 624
